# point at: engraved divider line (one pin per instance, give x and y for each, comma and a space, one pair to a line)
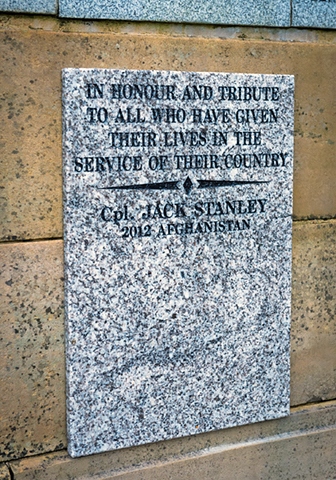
174, 185
144, 186
227, 183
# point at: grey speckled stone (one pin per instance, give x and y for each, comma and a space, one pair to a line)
300, 446
177, 278
231, 12
314, 13
28, 6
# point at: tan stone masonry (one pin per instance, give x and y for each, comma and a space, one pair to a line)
31, 85
33, 50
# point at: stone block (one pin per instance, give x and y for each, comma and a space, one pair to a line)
229, 12
314, 13
177, 262
31, 177
300, 446
32, 344
313, 330
32, 401
34, 6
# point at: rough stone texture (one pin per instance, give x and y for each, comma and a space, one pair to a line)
4, 473
178, 276
245, 12
32, 401
238, 32
24, 400
313, 359
36, 48
300, 446
31, 102
29, 6
314, 13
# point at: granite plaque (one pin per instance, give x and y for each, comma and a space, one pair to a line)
35, 6
229, 12
314, 13
177, 220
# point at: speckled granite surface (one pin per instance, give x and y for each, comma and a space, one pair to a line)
177, 216
35, 6
314, 13
231, 12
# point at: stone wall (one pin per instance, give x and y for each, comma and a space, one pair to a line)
34, 49
271, 13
